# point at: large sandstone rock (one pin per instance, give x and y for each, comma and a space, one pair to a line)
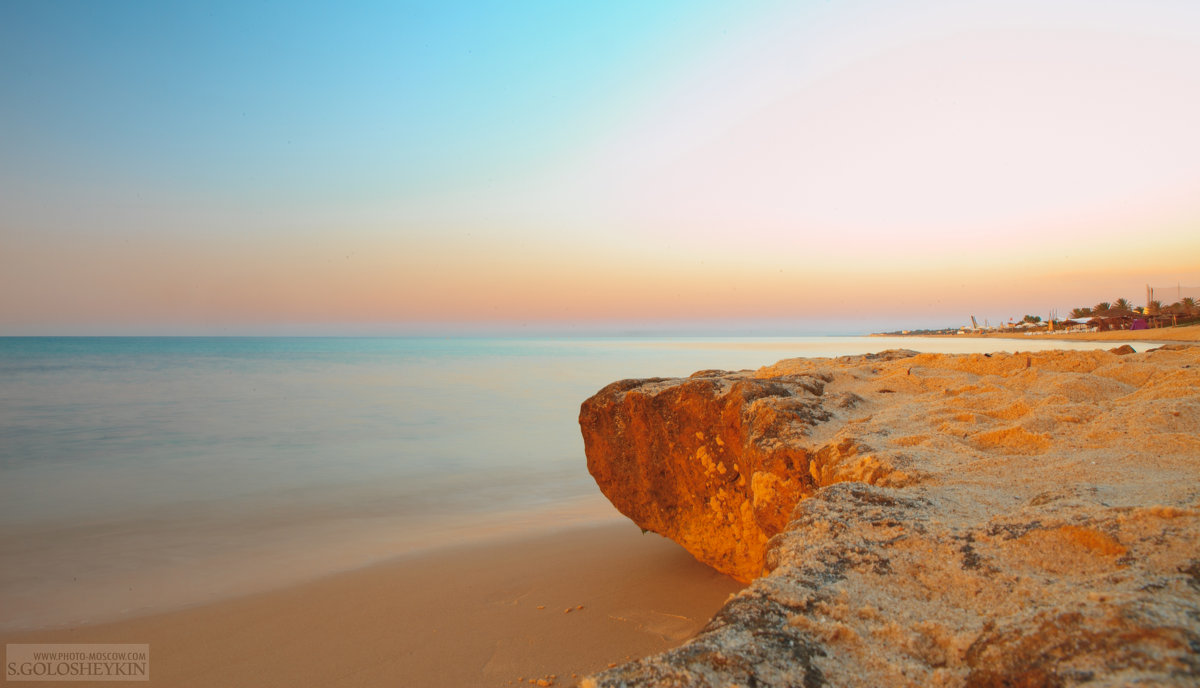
718, 461
1005, 520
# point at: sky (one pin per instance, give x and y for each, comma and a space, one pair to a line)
803, 167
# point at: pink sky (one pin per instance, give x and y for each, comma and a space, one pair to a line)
817, 169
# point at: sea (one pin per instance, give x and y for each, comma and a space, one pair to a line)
139, 475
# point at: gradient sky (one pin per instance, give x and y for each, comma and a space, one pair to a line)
766, 167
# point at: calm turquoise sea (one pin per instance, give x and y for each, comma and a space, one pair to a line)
138, 474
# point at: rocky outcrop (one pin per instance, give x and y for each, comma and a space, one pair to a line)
717, 461
1003, 520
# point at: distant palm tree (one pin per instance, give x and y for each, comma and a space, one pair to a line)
1154, 307
1188, 303
1101, 308
1080, 312
1123, 305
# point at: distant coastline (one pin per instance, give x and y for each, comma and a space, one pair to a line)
1182, 333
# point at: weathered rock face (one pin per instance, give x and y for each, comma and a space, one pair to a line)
1005, 520
718, 461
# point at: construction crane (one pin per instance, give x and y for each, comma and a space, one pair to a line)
974, 325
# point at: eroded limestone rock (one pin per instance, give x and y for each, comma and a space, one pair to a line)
1043, 534
718, 461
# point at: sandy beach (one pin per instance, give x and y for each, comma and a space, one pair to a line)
549, 608
980, 432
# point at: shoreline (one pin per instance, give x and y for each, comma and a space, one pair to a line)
184, 557
460, 613
1183, 334
484, 614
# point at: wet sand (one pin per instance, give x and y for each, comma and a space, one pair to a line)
493, 614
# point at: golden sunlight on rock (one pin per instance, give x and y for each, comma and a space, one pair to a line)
918, 519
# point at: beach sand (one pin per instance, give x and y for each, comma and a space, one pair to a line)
484, 615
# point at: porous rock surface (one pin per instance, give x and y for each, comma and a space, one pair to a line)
923, 520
